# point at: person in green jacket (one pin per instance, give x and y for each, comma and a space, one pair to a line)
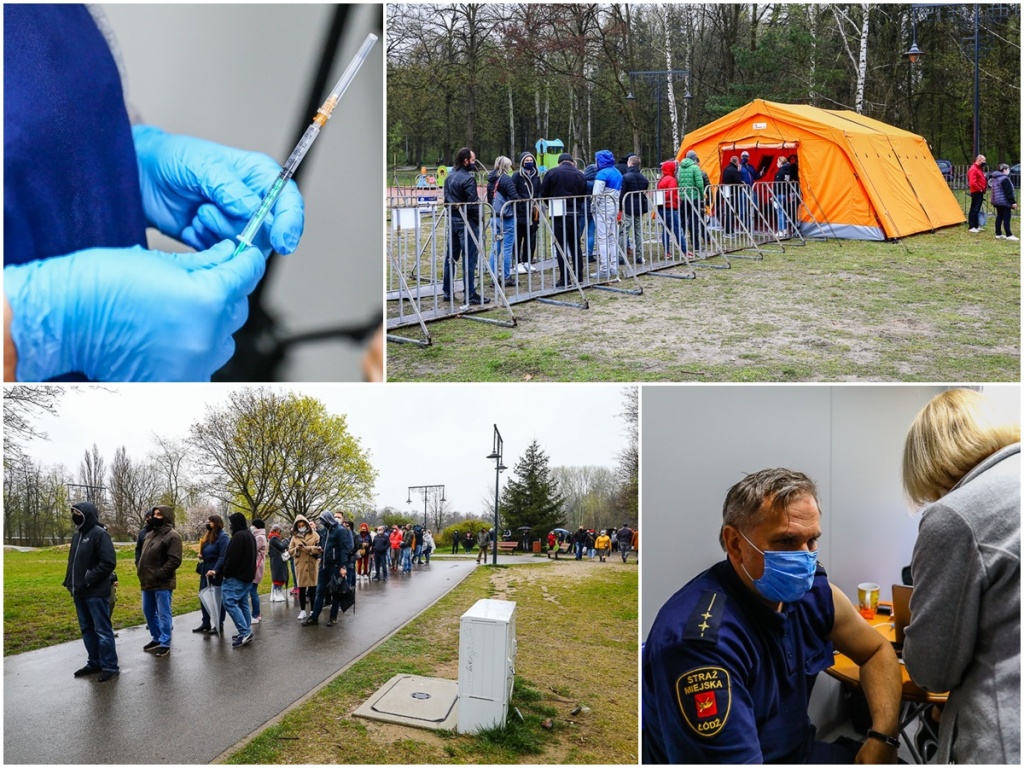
691, 196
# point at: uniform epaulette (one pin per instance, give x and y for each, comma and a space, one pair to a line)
706, 617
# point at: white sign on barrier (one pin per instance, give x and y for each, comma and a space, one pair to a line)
659, 197
557, 207
405, 218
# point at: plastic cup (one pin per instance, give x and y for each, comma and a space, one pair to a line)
867, 599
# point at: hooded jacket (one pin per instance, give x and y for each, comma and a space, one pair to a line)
91, 558
240, 560
260, 534
527, 188
1002, 190
336, 543
607, 172
161, 554
633, 180
305, 551
690, 179
668, 184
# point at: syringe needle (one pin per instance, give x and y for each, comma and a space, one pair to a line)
295, 158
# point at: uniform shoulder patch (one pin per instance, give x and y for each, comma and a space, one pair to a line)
704, 695
706, 617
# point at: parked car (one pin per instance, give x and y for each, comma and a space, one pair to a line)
1015, 175
946, 168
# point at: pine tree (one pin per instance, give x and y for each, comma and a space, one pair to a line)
532, 498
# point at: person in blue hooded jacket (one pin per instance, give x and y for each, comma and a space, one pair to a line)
83, 296
607, 186
732, 658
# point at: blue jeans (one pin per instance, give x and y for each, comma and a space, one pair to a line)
156, 607
670, 218
254, 595
322, 585
97, 632
503, 231
426, 554
419, 554
235, 594
591, 230
406, 559
579, 550
461, 242
781, 211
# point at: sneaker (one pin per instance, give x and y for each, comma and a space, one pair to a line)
974, 230
310, 622
781, 233
247, 639
107, 676
638, 260
532, 268
87, 670
161, 650
479, 300
301, 616
331, 622
1011, 237
1000, 237
236, 642
256, 619
522, 269
151, 645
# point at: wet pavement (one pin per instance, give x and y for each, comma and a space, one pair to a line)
205, 696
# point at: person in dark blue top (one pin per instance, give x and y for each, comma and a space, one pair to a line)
84, 298
730, 662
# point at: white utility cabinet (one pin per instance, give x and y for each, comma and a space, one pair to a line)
487, 664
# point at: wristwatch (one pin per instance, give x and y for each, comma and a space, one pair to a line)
872, 734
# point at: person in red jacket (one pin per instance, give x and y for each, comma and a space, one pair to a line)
668, 209
977, 183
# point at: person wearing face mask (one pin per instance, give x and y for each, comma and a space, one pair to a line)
381, 545
212, 549
158, 562
91, 561
305, 550
731, 659
527, 182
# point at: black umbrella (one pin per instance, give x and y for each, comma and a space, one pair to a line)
524, 528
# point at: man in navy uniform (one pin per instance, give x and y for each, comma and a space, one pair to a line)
732, 657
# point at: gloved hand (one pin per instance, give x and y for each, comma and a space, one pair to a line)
201, 193
128, 314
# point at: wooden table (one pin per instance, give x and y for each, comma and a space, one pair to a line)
915, 700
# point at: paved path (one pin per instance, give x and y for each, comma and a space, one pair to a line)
205, 696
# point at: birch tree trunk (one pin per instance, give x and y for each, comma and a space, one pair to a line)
862, 64
673, 116
812, 19
511, 122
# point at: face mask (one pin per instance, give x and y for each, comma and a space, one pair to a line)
155, 522
303, 529
78, 519
209, 526
787, 575
530, 166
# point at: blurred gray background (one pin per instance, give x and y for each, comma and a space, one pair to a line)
240, 75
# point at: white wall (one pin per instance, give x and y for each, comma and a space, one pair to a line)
239, 75
697, 441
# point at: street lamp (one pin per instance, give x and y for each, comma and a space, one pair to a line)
496, 453
656, 77
426, 491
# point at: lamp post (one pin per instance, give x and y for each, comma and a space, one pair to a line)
496, 454
426, 491
656, 77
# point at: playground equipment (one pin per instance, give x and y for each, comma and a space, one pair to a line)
548, 152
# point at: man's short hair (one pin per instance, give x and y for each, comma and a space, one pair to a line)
462, 156
633, 161
1004, 167
760, 494
951, 435
734, 160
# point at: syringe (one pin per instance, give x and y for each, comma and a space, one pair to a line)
319, 121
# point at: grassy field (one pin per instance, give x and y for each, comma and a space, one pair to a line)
39, 612
934, 307
577, 647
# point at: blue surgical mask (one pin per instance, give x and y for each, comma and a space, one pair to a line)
787, 575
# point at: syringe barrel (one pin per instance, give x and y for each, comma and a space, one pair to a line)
301, 149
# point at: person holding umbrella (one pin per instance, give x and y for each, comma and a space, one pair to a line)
212, 549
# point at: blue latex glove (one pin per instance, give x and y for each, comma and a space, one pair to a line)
201, 193
128, 314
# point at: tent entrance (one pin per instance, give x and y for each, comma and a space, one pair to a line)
762, 154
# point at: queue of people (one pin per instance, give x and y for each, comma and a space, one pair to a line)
591, 543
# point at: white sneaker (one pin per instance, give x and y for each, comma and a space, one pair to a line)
301, 616
975, 230
256, 619
521, 269
781, 233
1011, 237
1000, 237
533, 268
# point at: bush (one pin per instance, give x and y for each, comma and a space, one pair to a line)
444, 539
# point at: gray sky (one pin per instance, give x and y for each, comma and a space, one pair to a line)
418, 434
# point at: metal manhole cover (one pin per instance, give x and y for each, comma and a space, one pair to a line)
421, 695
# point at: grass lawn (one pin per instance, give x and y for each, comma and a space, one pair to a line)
577, 646
933, 307
39, 612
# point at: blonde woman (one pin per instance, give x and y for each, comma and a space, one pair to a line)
501, 190
963, 464
305, 551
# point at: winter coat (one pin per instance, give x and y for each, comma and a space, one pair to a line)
161, 555
305, 549
428, 542
668, 183
396, 538
240, 559
261, 554
1002, 190
138, 544
604, 541
482, 536
564, 180
607, 172
381, 544
782, 177
527, 188
213, 554
625, 537
964, 632
634, 181
460, 187
276, 546
336, 543
364, 542
976, 180
408, 539
500, 190
731, 174
91, 558
748, 173
690, 179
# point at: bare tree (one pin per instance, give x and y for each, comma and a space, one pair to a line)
92, 473
133, 489
21, 405
170, 461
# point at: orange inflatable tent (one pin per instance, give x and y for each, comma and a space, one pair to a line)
860, 178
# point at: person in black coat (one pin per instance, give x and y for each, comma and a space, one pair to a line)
728, 198
633, 199
527, 182
461, 196
91, 561
336, 544
566, 180
380, 545
142, 535
237, 572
